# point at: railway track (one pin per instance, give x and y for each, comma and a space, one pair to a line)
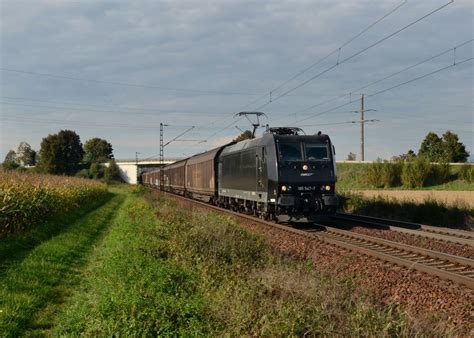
449, 267
439, 233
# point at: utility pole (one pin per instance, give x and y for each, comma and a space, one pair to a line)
162, 149
362, 127
362, 122
162, 159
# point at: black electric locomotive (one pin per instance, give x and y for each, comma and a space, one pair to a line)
283, 175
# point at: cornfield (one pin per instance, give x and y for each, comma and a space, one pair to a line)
28, 199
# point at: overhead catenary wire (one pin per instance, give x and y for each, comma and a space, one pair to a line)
134, 110
317, 62
363, 50
390, 88
351, 92
185, 90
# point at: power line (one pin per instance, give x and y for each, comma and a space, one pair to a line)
393, 87
98, 111
64, 77
338, 49
155, 110
355, 54
353, 91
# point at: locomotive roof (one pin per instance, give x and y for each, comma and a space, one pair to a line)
269, 138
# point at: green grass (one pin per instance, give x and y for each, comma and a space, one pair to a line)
120, 270
48, 270
353, 176
130, 289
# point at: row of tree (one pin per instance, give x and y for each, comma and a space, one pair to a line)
447, 149
61, 153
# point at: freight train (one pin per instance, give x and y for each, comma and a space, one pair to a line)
284, 176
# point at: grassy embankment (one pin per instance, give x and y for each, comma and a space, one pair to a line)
359, 176
121, 270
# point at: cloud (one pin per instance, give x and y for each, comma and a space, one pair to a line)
238, 47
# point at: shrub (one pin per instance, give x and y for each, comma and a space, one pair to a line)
391, 173
440, 173
96, 171
111, 172
374, 174
466, 173
27, 199
83, 173
416, 173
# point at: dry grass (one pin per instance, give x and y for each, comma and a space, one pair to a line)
419, 196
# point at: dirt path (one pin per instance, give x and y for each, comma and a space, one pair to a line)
448, 197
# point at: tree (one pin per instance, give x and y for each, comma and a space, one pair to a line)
351, 156
97, 150
446, 149
11, 161
246, 135
453, 150
432, 147
61, 153
26, 156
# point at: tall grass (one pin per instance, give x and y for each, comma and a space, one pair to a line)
28, 199
430, 211
466, 173
415, 173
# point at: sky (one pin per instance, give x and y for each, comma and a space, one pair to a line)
117, 69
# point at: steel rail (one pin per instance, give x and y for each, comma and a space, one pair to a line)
445, 266
445, 234
450, 269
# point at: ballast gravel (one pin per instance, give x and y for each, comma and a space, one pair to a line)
426, 298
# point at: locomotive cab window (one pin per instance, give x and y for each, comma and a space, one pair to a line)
290, 151
315, 152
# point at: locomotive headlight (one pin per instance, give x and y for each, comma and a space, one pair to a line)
305, 167
283, 188
328, 188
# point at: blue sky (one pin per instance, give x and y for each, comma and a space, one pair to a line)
116, 69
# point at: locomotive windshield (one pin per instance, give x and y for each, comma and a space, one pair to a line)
290, 151
316, 152
296, 151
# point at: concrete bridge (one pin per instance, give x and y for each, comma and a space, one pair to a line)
130, 170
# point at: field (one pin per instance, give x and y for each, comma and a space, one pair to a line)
28, 199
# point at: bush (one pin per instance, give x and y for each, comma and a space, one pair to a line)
416, 173
384, 174
440, 173
111, 172
374, 174
466, 173
83, 173
96, 171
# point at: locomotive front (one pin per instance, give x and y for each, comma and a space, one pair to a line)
306, 177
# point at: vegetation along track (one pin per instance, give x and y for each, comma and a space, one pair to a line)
457, 269
439, 233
